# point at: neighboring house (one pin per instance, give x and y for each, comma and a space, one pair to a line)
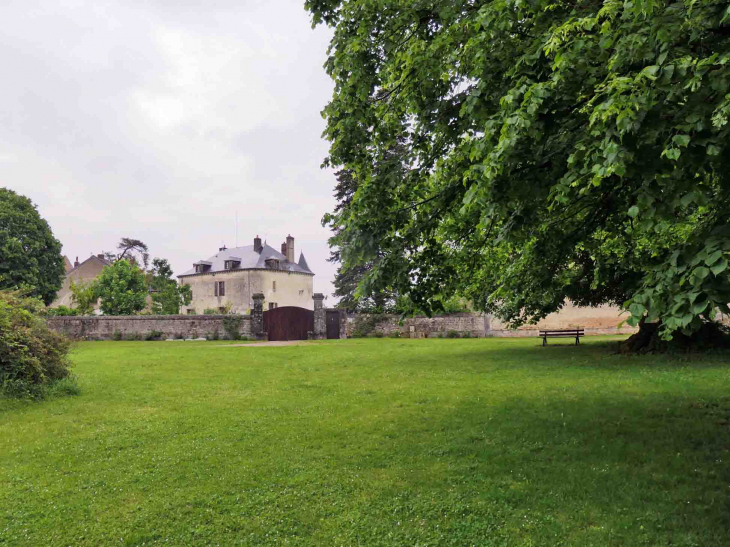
85, 271
230, 278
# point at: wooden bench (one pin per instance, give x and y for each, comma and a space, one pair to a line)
573, 333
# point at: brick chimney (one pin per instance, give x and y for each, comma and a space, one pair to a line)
100, 255
76, 262
283, 249
257, 244
290, 248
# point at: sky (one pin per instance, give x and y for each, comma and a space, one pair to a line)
160, 120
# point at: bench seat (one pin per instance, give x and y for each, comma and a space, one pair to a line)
555, 333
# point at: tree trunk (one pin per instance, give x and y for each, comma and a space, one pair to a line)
710, 336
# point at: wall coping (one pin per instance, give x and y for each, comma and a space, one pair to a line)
145, 317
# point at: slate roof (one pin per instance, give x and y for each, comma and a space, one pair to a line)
250, 259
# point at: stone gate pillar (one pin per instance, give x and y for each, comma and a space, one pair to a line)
320, 317
257, 317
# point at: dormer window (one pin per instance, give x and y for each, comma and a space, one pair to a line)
232, 263
272, 263
202, 266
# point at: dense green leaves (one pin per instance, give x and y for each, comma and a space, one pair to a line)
556, 150
122, 289
167, 295
30, 257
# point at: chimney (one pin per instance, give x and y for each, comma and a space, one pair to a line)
283, 249
257, 244
222, 248
76, 263
290, 248
100, 255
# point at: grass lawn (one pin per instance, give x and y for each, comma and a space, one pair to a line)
492, 442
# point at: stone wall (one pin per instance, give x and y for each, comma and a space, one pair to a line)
479, 325
171, 326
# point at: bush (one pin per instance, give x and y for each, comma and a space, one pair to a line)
61, 311
179, 336
365, 324
134, 336
452, 334
154, 335
210, 311
117, 335
232, 326
32, 357
466, 334
395, 334
215, 335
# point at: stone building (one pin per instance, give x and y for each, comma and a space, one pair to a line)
230, 278
85, 271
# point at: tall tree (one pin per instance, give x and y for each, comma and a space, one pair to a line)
557, 149
167, 295
131, 249
122, 289
30, 256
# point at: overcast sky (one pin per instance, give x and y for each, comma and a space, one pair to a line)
159, 119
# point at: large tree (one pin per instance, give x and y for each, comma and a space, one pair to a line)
30, 257
557, 149
134, 250
167, 295
122, 288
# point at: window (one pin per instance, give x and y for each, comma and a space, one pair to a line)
301, 293
219, 288
191, 311
274, 286
273, 305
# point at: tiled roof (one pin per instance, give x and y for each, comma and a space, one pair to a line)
249, 259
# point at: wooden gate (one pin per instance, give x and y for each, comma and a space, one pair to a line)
288, 323
333, 324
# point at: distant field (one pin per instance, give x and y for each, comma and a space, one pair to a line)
487, 442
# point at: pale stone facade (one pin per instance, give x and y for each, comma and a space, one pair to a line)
229, 279
86, 271
279, 287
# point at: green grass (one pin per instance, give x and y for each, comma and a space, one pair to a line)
372, 442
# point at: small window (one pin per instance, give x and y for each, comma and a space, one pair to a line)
301, 292
273, 305
221, 288
274, 285
215, 288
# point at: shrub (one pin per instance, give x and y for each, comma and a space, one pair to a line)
395, 334
61, 311
32, 357
134, 336
117, 335
466, 334
179, 336
154, 335
215, 335
210, 311
440, 335
232, 326
452, 334
365, 324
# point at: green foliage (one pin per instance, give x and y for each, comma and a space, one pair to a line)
153, 335
32, 357
134, 336
365, 324
232, 326
395, 334
376, 334
85, 296
122, 289
210, 311
215, 335
453, 334
555, 151
167, 296
30, 256
61, 311
117, 335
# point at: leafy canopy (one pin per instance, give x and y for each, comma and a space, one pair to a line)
167, 295
556, 149
30, 257
122, 289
